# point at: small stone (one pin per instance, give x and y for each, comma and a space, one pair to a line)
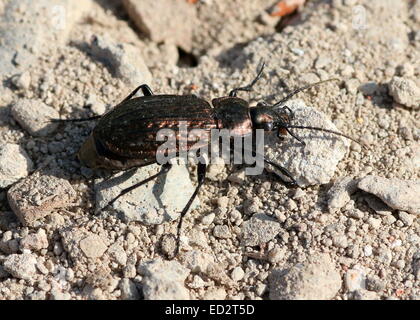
35, 241
259, 229
315, 279
222, 232
153, 203
354, 280
406, 218
237, 274
367, 250
37, 195
374, 283
34, 116
93, 246
22, 80
276, 254
196, 261
339, 194
164, 280
175, 23
356, 214
396, 193
369, 88
340, 241
14, 164
322, 62
215, 294
405, 92
57, 294
123, 59
316, 162
21, 266
128, 290
374, 223
118, 254
238, 177
365, 295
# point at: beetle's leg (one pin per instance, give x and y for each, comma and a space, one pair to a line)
75, 120
201, 175
292, 182
145, 89
165, 168
248, 87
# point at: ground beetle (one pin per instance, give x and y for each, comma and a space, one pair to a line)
125, 137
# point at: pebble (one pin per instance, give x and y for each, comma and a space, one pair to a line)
396, 193
367, 250
316, 162
124, 60
374, 283
35, 241
15, 164
175, 23
164, 280
322, 62
222, 231
315, 279
117, 252
369, 88
21, 266
355, 280
128, 290
37, 195
34, 116
237, 274
93, 246
259, 229
156, 202
339, 194
406, 218
208, 219
405, 92
22, 80
196, 261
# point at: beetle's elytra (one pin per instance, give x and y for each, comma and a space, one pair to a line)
125, 137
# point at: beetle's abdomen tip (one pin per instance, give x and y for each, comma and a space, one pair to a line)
87, 154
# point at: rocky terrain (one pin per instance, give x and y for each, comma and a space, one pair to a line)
349, 231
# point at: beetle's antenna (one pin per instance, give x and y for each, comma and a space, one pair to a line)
324, 130
249, 87
296, 91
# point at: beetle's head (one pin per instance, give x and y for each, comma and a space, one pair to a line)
280, 120
269, 119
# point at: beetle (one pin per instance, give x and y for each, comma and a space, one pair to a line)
125, 137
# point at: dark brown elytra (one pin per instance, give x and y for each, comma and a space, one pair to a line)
125, 137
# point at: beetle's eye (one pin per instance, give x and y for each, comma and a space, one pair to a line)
268, 126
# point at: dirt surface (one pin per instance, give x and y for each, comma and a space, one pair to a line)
251, 237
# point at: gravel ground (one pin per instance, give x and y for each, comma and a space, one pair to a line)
350, 231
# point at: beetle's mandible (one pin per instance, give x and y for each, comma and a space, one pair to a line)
125, 137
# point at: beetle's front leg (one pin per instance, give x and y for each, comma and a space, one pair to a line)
201, 176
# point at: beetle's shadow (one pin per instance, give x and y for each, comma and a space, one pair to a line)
114, 179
